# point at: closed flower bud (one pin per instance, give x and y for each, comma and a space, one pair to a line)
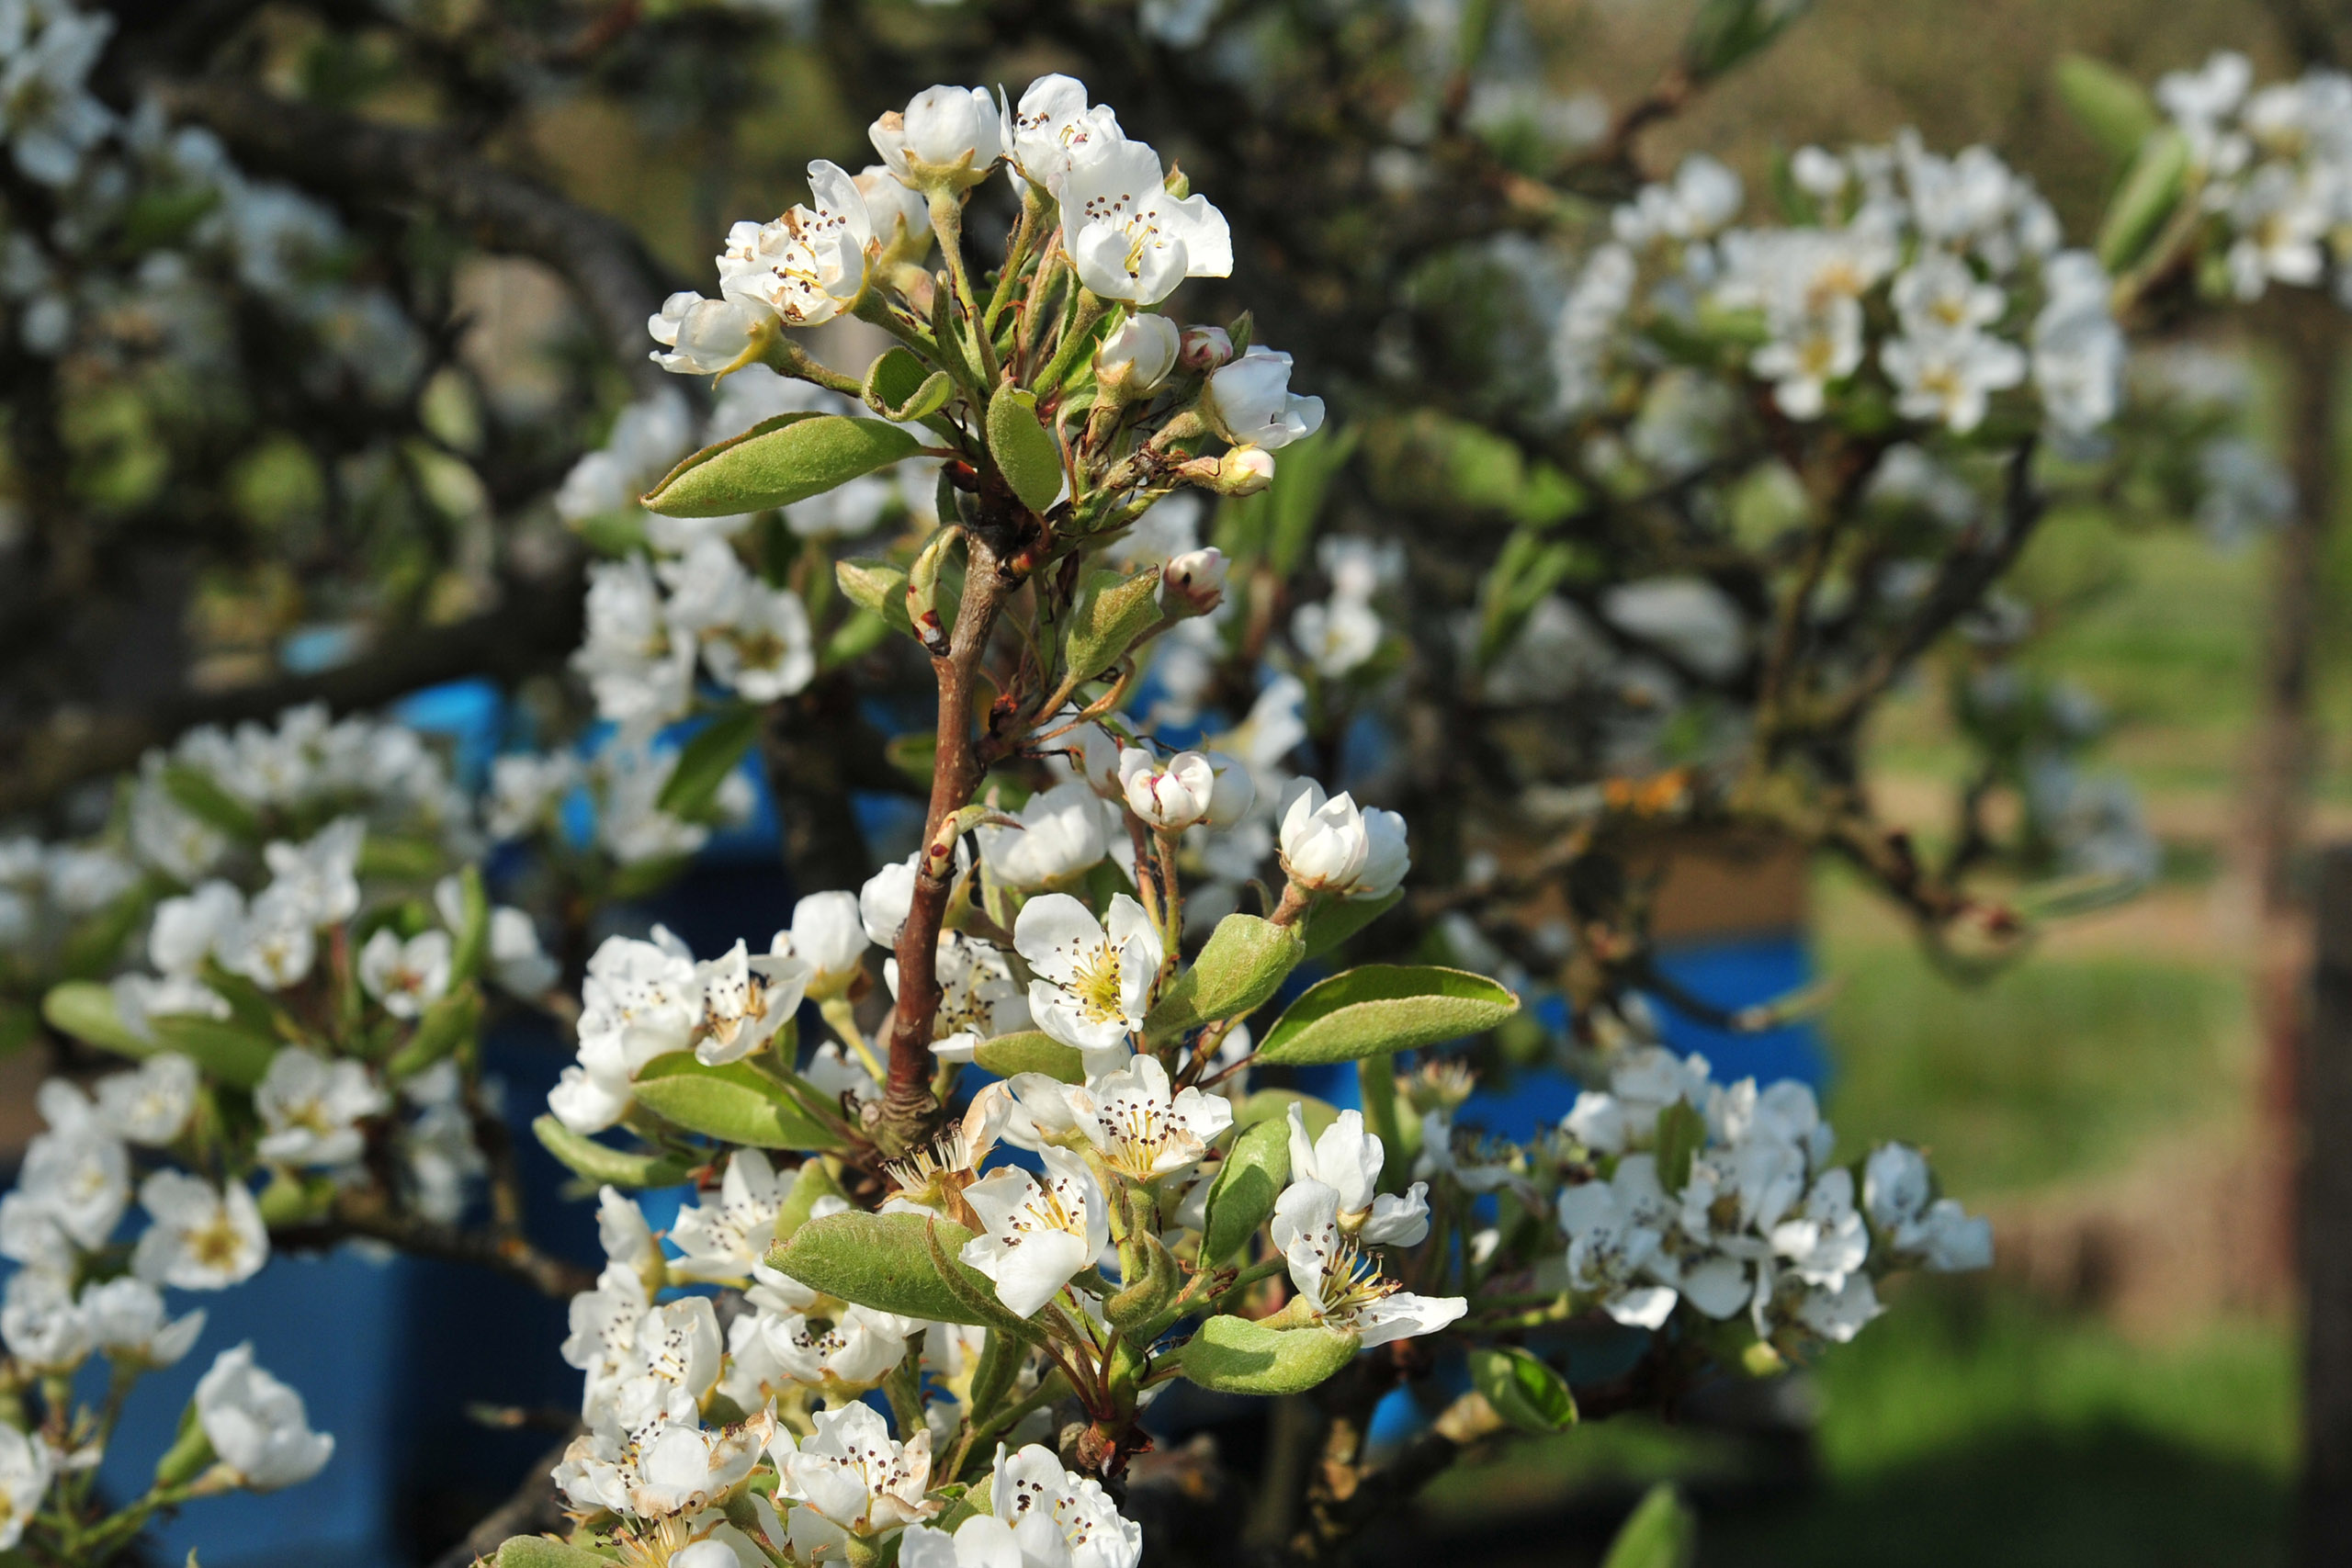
1204, 349
1244, 470
1135, 360
702, 337
1193, 583
1333, 846
1169, 798
948, 139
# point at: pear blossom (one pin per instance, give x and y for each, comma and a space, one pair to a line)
1807, 352
1948, 378
806, 265
722, 1240
406, 977
1251, 403
149, 1104
745, 999
827, 936
639, 668
855, 1350
257, 1424
1054, 128
27, 1465
978, 998
75, 1176
883, 901
1142, 1130
1610, 1249
1340, 1287
43, 1325
832, 1073
901, 218
311, 1108
1129, 238
946, 138
603, 1338
1062, 835
1192, 582
1094, 984
1898, 1195
186, 930
853, 1479
704, 337
1170, 796
127, 1320
640, 1001
1825, 1240
1330, 845
1037, 1233
1939, 295
1137, 355
679, 1350
199, 1236
1338, 636
49, 118
275, 944
666, 1469
1347, 1160
1058, 1516
319, 875
763, 651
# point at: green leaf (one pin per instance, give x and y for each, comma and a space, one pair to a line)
448, 1024
1025, 452
604, 1165
546, 1551
86, 1010
1243, 964
200, 796
396, 857
473, 925
898, 388
1233, 1355
707, 758
1726, 33
2113, 107
736, 1103
1682, 1133
1523, 1388
885, 1261
1384, 1007
1031, 1051
2151, 189
1274, 1105
1662, 1533
811, 1182
1102, 628
1249, 1179
777, 462
1336, 919
877, 585
228, 1052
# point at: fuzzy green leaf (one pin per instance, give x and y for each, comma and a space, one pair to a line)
2113, 107
1384, 1007
544, 1551
86, 1010
1274, 1105
876, 585
1525, 1389
1682, 1133
777, 462
736, 1103
1233, 1355
885, 1261
898, 388
1249, 1179
1106, 625
1025, 452
1243, 964
604, 1165
1336, 919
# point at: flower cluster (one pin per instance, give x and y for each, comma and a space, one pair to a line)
2273, 165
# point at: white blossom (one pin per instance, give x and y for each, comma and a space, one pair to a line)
257, 1424
1128, 237
127, 1320
948, 136
1339, 1286
1348, 1159
1094, 984
1140, 1128
1250, 401
851, 1478
1330, 845
199, 1236
721, 1238
806, 265
1036, 1233
746, 999
27, 1467
149, 1104
1063, 834
406, 977
312, 1107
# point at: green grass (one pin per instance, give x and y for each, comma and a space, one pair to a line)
2055, 1069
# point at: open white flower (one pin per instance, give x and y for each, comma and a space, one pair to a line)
321, 873
1348, 1159
27, 1467
1058, 1516
311, 1108
1950, 379
149, 1104
200, 1237
1062, 835
666, 1468
1251, 402
1807, 352
948, 138
275, 944
1898, 1195
1339, 1286
848, 1352
1128, 237
127, 1320
1939, 295
43, 1325
854, 1480
406, 977
702, 337
640, 1001
1825, 1240
978, 998
1054, 128
810, 262
826, 935
1610, 1247
1140, 1129
603, 1338
257, 1424
76, 1176
745, 999
763, 651
1094, 984
186, 930
1038, 1234
722, 1239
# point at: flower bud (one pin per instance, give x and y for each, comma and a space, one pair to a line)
947, 140
1169, 798
705, 337
1135, 360
1204, 349
1245, 470
1333, 846
901, 218
1193, 583
1251, 402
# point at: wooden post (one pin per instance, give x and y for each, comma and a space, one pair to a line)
2327, 1226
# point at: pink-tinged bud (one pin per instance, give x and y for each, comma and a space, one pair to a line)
1204, 349
1193, 583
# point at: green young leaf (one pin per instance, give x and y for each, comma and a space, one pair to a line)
1682, 1133
1384, 1007
876, 585
1025, 452
400, 857
1249, 1179
2152, 191
2113, 107
546, 1551
1243, 964
1031, 1051
448, 1024
1106, 625
86, 1010
885, 1261
1274, 1105
473, 925
736, 1103
1336, 919
227, 1051
604, 1165
1233, 1355
1662, 1533
1523, 1388
898, 388
200, 796
777, 462
1726, 33
707, 758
